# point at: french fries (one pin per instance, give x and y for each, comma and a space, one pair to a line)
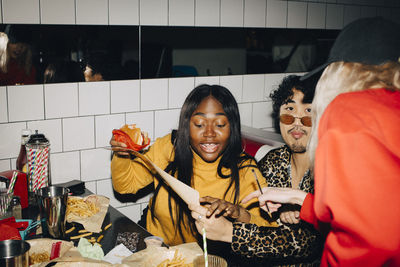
81, 208
176, 261
70, 230
79, 236
107, 226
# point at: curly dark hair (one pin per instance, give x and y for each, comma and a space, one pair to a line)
284, 92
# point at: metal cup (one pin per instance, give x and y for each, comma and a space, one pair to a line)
14, 253
52, 202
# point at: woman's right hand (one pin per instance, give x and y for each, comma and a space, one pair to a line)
217, 228
118, 148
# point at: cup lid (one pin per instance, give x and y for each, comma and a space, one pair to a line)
37, 138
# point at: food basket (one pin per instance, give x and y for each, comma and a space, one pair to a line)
29, 227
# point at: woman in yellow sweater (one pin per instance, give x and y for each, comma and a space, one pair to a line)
205, 153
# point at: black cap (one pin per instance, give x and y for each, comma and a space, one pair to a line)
18, 34
369, 41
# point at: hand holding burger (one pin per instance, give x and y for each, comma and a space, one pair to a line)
128, 137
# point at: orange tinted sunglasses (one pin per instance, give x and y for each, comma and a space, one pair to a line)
289, 119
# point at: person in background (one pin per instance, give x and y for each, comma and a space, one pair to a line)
294, 241
63, 72
20, 69
96, 68
205, 153
355, 149
3, 52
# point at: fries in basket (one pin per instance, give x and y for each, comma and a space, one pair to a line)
81, 208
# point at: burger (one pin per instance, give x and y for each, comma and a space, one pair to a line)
132, 137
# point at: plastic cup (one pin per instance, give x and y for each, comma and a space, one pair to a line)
154, 241
213, 261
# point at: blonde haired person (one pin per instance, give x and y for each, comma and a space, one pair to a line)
355, 149
18, 69
3, 52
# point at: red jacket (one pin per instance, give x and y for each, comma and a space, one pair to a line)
17, 75
357, 180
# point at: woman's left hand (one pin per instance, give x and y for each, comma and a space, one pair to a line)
220, 207
217, 228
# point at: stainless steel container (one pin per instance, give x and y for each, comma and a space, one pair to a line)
53, 205
14, 253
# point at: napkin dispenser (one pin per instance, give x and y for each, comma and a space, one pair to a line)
20, 187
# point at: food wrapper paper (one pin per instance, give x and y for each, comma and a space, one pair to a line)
152, 256
92, 223
44, 245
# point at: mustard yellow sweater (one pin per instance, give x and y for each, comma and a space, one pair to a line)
128, 176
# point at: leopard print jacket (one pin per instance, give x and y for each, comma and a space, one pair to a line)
289, 245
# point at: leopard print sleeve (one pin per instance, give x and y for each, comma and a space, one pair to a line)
288, 243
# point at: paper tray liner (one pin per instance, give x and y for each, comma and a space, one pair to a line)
93, 223
152, 256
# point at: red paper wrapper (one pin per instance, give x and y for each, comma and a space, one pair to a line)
123, 137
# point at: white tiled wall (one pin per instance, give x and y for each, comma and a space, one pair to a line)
78, 117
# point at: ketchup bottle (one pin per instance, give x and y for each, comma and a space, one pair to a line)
22, 160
